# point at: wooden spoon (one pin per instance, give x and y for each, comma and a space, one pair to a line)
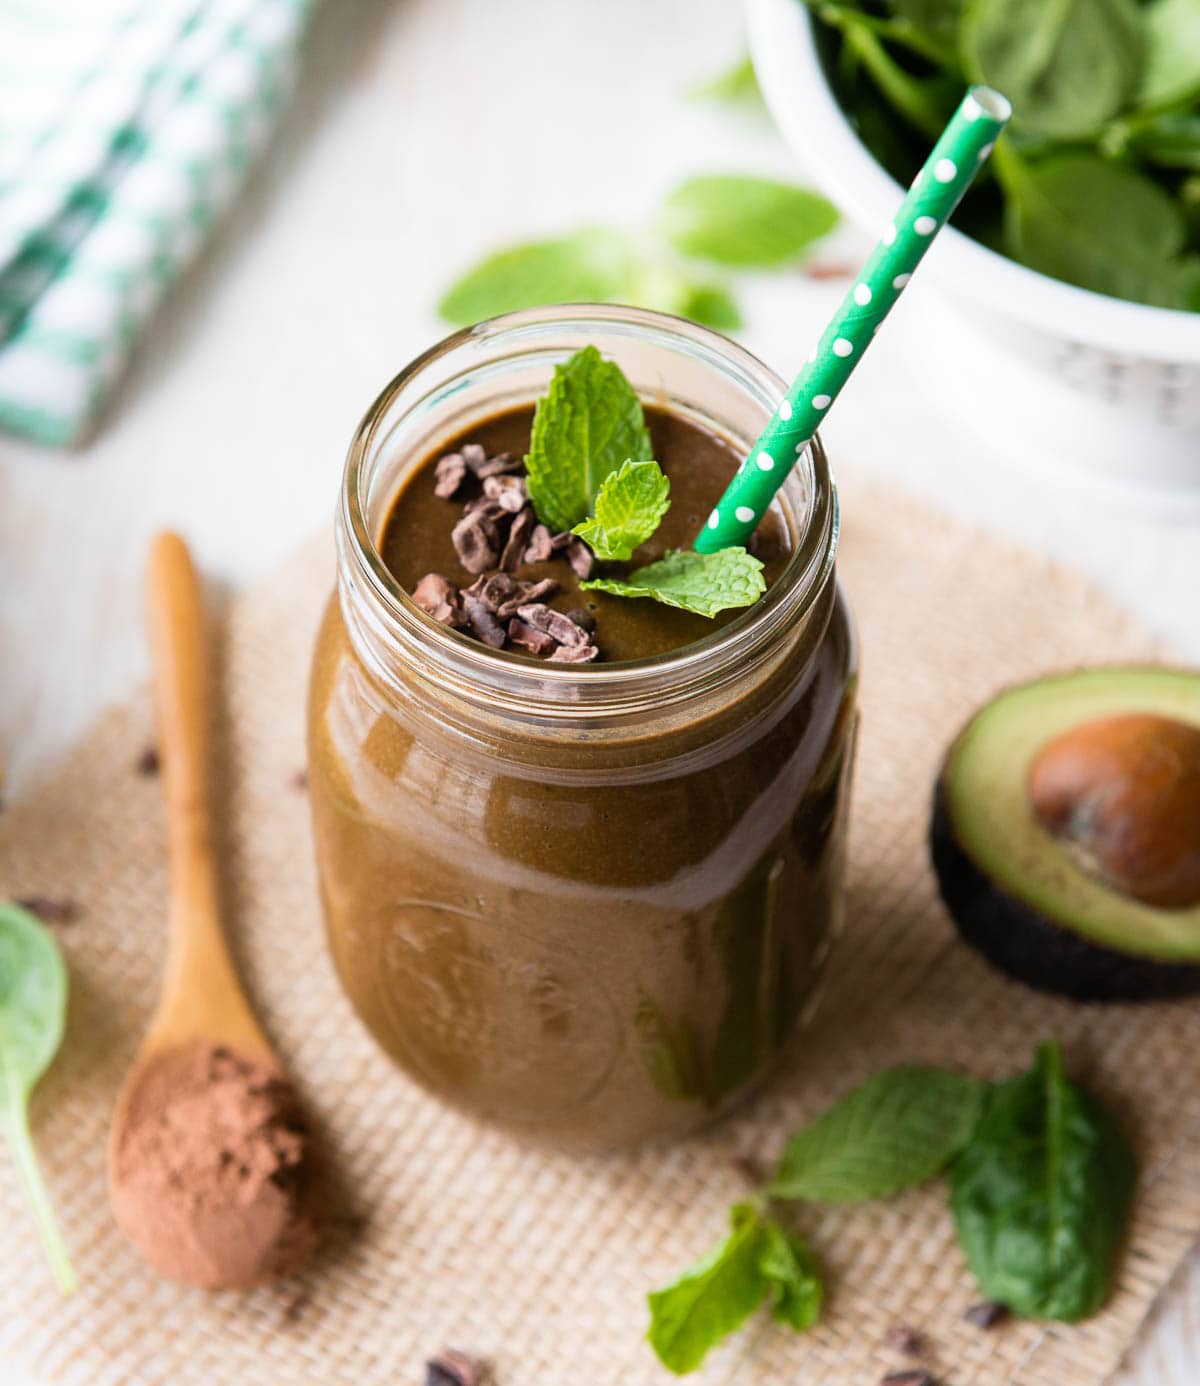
203, 1040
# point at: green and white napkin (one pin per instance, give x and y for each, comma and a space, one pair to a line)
126, 128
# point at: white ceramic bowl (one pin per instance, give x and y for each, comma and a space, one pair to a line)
1119, 396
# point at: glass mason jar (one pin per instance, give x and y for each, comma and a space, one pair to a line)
590, 902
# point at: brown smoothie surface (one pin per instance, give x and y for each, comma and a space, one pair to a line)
417, 535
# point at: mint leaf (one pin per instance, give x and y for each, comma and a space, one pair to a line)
631, 503
795, 1280
590, 266
712, 1298
1041, 1193
587, 423
659, 284
702, 582
898, 1129
753, 222
736, 83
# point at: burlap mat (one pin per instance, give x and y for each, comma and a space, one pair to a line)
451, 1234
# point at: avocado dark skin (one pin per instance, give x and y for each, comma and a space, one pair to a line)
1026, 945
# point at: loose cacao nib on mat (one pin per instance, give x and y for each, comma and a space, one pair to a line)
902, 1337
909, 1378
453, 1368
50, 909
148, 762
986, 1315
496, 535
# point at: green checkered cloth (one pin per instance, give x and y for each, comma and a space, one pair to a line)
126, 128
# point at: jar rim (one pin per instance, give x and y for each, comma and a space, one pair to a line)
474, 669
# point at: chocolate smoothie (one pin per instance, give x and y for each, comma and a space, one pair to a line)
595, 922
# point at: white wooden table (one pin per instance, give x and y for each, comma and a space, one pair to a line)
426, 132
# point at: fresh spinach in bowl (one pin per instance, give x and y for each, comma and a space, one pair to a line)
1097, 181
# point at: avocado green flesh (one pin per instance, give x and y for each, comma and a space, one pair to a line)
984, 783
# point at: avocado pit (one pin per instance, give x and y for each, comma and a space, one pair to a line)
1122, 793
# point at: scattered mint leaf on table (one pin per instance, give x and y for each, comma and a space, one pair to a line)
736, 83
711, 305
1040, 1194
754, 223
705, 583
792, 1273
896, 1130
594, 265
33, 1007
587, 424
1067, 67
629, 508
711, 1298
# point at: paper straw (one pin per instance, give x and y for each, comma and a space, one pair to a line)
936, 191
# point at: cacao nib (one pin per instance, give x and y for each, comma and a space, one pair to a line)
527, 592
477, 542
554, 623
909, 1378
453, 1368
485, 506
483, 466
527, 637
496, 589
148, 762
483, 624
474, 456
539, 549
902, 1337
440, 598
583, 619
581, 558
507, 491
50, 909
986, 1315
518, 537
450, 473
560, 541
575, 654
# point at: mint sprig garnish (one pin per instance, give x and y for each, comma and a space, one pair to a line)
590, 471
587, 424
631, 503
705, 583
1041, 1181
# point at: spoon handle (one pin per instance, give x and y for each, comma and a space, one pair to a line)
201, 995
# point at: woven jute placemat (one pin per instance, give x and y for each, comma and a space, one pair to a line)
447, 1233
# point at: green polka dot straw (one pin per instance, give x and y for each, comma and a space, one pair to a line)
935, 192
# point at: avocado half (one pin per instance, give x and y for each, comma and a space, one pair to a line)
1015, 892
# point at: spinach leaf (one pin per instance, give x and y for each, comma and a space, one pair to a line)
1066, 65
938, 19
33, 1004
715, 1296
1093, 223
1171, 71
1171, 140
897, 1129
1040, 1194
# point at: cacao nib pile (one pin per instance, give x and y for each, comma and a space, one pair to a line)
497, 536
